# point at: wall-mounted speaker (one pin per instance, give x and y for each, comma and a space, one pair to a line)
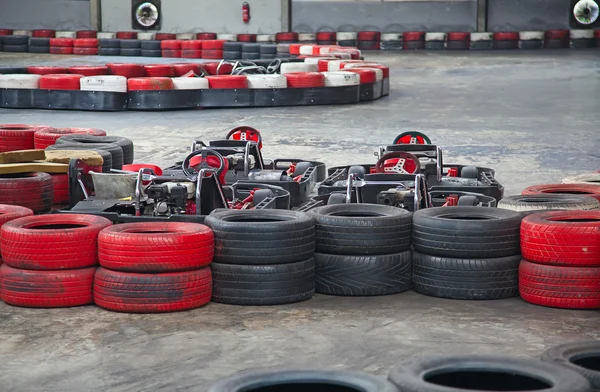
145, 14
584, 14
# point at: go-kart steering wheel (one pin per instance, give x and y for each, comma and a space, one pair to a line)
413, 137
245, 133
204, 159
274, 66
398, 162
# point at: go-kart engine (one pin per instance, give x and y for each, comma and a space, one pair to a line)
401, 198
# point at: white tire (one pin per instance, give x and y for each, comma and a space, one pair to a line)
266, 81
587, 178
435, 36
227, 37
146, 36
341, 55
306, 50
265, 38
298, 67
110, 83
378, 72
184, 36
532, 203
346, 36
66, 34
391, 37
531, 35
582, 34
481, 37
23, 32
307, 37
20, 81
341, 78
190, 83
103, 35
315, 60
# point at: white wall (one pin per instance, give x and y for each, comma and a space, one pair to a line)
45, 14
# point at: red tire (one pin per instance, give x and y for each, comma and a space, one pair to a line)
246, 37
206, 36
227, 81
214, 44
458, 36
212, 54
85, 43
85, 51
46, 289
211, 68
368, 36
156, 293
295, 48
562, 238
191, 53
560, 287
506, 36
47, 137
324, 64
86, 34
159, 70
191, 45
61, 50
147, 84
183, 68
597, 34
62, 42
9, 212
171, 44
127, 70
61, 188
52, 242
43, 33
30, 190
577, 189
172, 53
386, 70
4, 32
126, 35
413, 36
164, 36
305, 79
47, 70
367, 76
60, 82
556, 34
286, 36
326, 36
89, 70
155, 247
14, 137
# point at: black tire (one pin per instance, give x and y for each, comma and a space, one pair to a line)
39, 49
477, 373
302, 380
531, 203
150, 44
151, 53
13, 70
232, 55
109, 52
123, 142
268, 56
232, 46
106, 156
273, 284
284, 55
131, 52
362, 275
109, 43
130, 44
469, 172
467, 232
268, 49
260, 237
483, 279
250, 56
468, 200
90, 142
251, 48
16, 48
361, 229
582, 357
16, 40
34, 41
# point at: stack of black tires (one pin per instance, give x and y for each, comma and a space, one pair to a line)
268, 51
466, 252
109, 47
120, 149
232, 50
39, 45
262, 257
250, 51
15, 43
362, 249
130, 47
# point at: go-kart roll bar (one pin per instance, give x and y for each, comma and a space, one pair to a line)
139, 190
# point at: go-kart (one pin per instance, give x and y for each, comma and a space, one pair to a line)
244, 164
146, 193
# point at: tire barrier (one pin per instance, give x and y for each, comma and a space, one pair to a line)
527, 204
568, 189
578, 356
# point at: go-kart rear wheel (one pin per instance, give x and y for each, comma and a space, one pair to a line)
468, 201
469, 172
336, 198
301, 168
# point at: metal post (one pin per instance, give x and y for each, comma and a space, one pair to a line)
286, 15
96, 15
482, 15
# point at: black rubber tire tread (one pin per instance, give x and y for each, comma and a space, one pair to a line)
250, 56
151, 52
564, 354
34, 41
528, 204
17, 40
16, 48
495, 234
150, 45
233, 46
106, 156
268, 49
452, 278
251, 48
268, 56
363, 275
109, 43
271, 379
91, 142
39, 49
261, 237
132, 52
389, 231
109, 52
123, 142
274, 284
408, 375
130, 44
232, 55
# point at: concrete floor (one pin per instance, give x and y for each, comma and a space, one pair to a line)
533, 116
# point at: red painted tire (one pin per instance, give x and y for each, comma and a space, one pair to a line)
60, 82
305, 79
286, 36
560, 287
126, 35
295, 48
506, 36
86, 34
324, 64
368, 36
212, 54
61, 50
578, 189
62, 42
137, 293
556, 34
46, 289
326, 36
367, 76
173, 53
227, 81
413, 36
562, 238
47, 70
29, 190
52, 242
149, 84
85, 51
213, 44
89, 70
14, 137
155, 247
458, 36
4, 32
211, 68
159, 70
48, 136
191, 53
191, 45
61, 188
164, 36
383, 68
183, 68
9, 212
172, 44
206, 36
43, 33
85, 43
127, 70
246, 37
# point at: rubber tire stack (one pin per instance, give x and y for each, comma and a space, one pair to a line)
30, 190
268, 51
362, 249
39, 45
50, 260
154, 267
16, 43
8, 213
251, 51
262, 257
232, 50
466, 252
130, 47
561, 259
151, 48
109, 47
120, 148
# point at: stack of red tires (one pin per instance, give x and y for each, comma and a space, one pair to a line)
561, 259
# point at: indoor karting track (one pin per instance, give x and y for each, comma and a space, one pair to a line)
532, 116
